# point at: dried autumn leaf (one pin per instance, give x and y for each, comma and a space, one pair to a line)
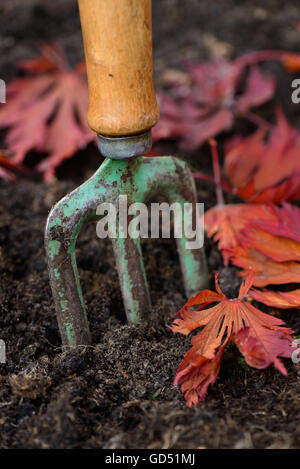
277, 248
285, 222
282, 300
258, 90
266, 271
260, 337
268, 229
196, 377
245, 237
209, 95
263, 172
206, 104
46, 111
225, 223
263, 350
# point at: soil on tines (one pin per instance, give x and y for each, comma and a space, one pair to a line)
118, 392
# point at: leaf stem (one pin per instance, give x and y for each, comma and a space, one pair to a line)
217, 172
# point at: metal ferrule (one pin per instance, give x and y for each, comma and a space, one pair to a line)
123, 148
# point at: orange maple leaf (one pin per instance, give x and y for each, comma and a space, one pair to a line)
46, 111
270, 230
259, 336
225, 223
277, 248
282, 300
268, 243
265, 270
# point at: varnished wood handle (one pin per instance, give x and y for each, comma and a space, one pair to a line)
117, 36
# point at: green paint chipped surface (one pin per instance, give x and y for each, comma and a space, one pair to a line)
54, 247
139, 179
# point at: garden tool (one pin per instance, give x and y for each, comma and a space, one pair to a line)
117, 36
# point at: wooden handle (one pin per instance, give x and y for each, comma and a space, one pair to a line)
117, 36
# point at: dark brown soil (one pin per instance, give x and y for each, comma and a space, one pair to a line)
118, 393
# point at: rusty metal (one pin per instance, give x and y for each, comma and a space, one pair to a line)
140, 179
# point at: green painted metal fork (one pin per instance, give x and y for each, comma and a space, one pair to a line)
140, 179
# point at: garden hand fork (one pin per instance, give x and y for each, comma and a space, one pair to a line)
122, 109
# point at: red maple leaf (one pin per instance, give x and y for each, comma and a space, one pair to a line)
208, 104
259, 336
262, 172
46, 111
171, 123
